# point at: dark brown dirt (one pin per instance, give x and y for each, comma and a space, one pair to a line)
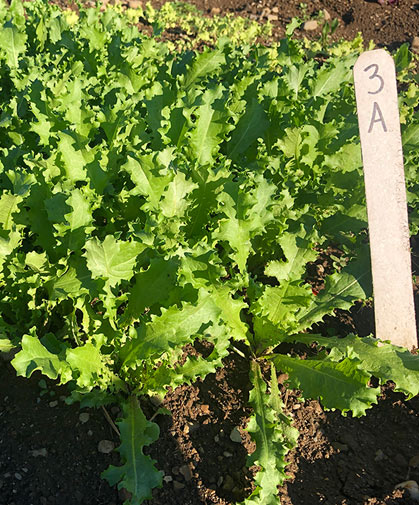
387, 25
339, 461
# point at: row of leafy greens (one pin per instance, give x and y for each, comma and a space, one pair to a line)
152, 198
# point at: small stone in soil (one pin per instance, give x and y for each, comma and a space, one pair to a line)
379, 455
415, 45
178, 485
228, 483
235, 435
227, 454
53, 404
84, 417
39, 452
168, 478
186, 472
18, 476
311, 25
327, 16
105, 446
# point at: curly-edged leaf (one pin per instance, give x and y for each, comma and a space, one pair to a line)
112, 259
204, 63
12, 43
251, 126
274, 437
75, 157
280, 304
338, 385
138, 475
341, 290
329, 79
151, 286
210, 126
87, 363
148, 181
297, 251
8, 206
248, 212
35, 356
174, 202
385, 361
173, 329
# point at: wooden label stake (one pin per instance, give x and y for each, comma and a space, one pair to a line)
382, 156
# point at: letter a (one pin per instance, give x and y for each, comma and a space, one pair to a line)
376, 111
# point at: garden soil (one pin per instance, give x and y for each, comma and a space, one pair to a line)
53, 454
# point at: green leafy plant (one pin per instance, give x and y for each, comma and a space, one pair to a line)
152, 199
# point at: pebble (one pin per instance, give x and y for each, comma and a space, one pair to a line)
216, 439
227, 454
7, 475
235, 435
296, 406
178, 485
18, 476
168, 478
379, 455
415, 45
53, 404
311, 25
84, 417
272, 17
220, 481
39, 452
186, 472
228, 483
105, 446
275, 9
90, 433
326, 14
215, 11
